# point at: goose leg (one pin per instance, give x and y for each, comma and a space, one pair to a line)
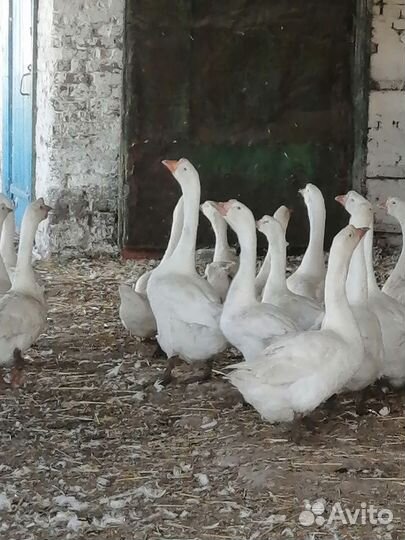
167, 375
299, 425
17, 373
204, 376
361, 402
158, 352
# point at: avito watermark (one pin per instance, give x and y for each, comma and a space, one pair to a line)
315, 514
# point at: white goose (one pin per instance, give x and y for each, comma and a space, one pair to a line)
186, 308
225, 262
135, 311
297, 372
357, 294
390, 313
5, 281
23, 308
309, 278
248, 324
304, 311
282, 215
395, 284
7, 247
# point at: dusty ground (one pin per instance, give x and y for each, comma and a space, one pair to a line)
85, 453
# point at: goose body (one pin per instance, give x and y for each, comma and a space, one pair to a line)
186, 308
309, 278
248, 324
395, 284
390, 313
298, 371
282, 215
7, 248
135, 312
225, 262
304, 311
357, 294
23, 308
5, 280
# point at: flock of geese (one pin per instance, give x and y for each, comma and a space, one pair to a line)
23, 308
303, 339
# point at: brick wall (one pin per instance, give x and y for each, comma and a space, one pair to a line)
385, 173
78, 130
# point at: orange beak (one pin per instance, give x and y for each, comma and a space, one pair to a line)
361, 231
341, 199
383, 205
223, 207
171, 164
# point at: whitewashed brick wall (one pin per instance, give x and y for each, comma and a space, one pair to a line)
385, 173
78, 130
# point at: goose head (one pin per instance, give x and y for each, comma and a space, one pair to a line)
210, 211
348, 238
182, 170
37, 211
395, 207
236, 214
358, 207
283, 215
272, 229
311, 194
4, 210
4, 200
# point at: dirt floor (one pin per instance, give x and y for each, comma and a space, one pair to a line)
86, 453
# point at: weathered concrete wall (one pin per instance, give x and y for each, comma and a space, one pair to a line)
78, 130
385, 173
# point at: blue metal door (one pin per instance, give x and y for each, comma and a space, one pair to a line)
18, 110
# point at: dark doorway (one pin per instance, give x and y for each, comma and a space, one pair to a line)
257, 94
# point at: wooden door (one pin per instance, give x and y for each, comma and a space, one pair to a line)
256, 94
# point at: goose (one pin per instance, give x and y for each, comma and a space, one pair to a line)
309, 278
390, 313
298, 371
369, 325
306, 313
282, 215
135, 312
186, 308
7, 248
5, 282
225, 262
395, 284
248, 324
23, 308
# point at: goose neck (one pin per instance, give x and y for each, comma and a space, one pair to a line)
242, 288
183, 257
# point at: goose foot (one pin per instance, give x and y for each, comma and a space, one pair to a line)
361, 402
205, 376
158, 352
17, 373
300, 425
167, 375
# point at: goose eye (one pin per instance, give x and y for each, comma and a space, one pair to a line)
393, 202
184, 168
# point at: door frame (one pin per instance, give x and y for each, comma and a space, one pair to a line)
360, 76
361, 85
8, 101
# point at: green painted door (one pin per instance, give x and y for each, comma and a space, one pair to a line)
256, 94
